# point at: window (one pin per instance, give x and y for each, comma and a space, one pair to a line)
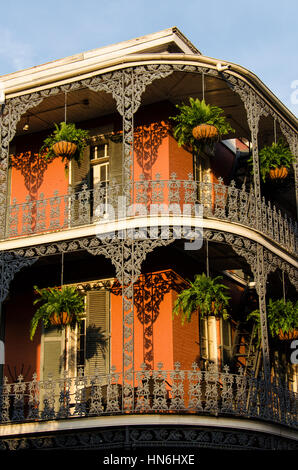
208, 341
100, 174
99, 151
97, 340
215, 337
81, 346
226, 341
88, 345
93, 168
53, 341
100, 164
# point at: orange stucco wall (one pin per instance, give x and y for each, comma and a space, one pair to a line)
149, 157
164, 157
20, 352
180, 160
54, 178
162, 334
116, 331
31, 175
31, 180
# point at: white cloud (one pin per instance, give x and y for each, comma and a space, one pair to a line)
16, 53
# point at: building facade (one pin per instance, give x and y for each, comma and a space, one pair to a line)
129, 227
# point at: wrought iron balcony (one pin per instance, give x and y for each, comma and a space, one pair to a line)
209, 392
151, 197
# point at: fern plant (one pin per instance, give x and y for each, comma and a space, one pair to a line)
194, 114
282, 318
205, 295
56, 301
69, 133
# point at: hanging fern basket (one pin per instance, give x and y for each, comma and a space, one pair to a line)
278, 173
205, 131
64, 149
61, 319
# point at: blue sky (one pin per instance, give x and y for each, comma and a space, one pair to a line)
260, 35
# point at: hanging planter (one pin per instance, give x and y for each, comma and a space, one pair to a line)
64, 149
278, 173
62, 318
206, 295
60, 306
66, 142
205, 131
275, 161
199, 124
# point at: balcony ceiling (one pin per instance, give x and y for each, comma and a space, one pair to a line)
84, 105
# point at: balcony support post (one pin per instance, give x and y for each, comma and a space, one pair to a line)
127, 87
254, 110
2, 345
127, 255
261, 274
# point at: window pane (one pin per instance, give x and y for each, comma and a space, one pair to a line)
97, 151
203, 338
103, 173
226, 333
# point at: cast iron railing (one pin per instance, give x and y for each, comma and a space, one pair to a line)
210, 392
227, 203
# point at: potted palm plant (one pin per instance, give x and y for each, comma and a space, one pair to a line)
199, 124
66, 141
282, 319
275, 160
206, 295
60, 306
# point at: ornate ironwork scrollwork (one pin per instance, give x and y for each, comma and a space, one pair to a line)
10, 264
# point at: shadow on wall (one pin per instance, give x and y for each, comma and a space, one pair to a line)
32, 167
149, 292
147, 140
96, 341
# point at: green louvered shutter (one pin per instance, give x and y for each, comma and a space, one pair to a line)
80, 174
97, 329
52, 350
